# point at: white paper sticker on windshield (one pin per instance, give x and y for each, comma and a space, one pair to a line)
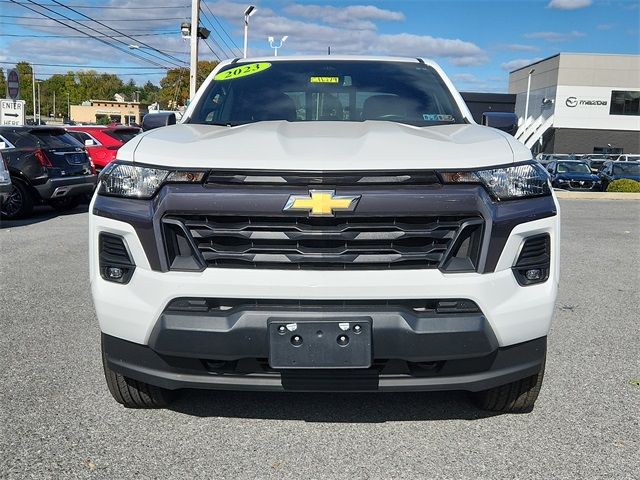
438, 117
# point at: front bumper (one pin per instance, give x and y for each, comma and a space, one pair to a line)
67, 187
501, 366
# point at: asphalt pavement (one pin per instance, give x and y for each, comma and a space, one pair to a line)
58, 421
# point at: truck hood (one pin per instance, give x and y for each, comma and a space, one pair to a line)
281, 145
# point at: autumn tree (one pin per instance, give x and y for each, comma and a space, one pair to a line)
174, 87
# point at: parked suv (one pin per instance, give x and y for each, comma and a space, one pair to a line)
5, 180
102, 143
46, 166
325, 224
573, 175
619, 170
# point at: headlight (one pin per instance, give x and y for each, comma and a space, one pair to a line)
518, 181
135, 181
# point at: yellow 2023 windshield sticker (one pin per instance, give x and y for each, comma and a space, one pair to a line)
324, 80
242, 71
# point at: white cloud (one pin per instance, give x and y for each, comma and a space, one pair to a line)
556, 37
569, 4
311, 29
354, 16
518, 63
517, 47
458, 51
604, 26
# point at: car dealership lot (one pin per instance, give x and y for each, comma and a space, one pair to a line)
59, 421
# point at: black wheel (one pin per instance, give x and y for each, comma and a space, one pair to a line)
20, 202
65, 203
515, 397
134, 394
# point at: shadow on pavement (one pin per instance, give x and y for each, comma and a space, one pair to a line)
329, 407
42, 213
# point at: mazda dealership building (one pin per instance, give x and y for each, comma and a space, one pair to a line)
579, 103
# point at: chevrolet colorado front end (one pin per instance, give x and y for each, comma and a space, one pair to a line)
325, 224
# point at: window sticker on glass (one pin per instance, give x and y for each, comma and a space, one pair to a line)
324, 80
242, 71
437, 117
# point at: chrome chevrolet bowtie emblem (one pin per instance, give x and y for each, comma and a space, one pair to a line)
322, 203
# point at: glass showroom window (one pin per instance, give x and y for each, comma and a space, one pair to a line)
625, 103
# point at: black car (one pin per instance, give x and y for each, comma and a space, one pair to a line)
573, 175
46, 165
617, 171
596, 161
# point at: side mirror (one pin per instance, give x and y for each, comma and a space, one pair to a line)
505, 121
157, 120
89, 143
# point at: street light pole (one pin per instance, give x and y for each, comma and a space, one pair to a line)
526, 103
39, 114
251, 9
33, 87
276, 47
193, 67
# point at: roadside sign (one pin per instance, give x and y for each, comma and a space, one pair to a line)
13, 85
12, 112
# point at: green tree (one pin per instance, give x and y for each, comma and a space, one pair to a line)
25, 75
3, 84
174, 87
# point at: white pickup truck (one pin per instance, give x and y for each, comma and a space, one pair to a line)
324, 224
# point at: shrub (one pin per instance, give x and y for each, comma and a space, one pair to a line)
624, 185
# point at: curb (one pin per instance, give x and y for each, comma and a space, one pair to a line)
567, 195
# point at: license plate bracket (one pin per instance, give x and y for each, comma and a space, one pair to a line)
320, 343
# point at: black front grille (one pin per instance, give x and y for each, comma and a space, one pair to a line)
316, 243
586, 184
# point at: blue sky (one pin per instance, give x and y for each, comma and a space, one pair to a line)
476, 42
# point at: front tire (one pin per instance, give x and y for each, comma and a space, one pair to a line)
516, 397
132, 393
19, 204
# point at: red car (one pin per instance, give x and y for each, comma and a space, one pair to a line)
102, 143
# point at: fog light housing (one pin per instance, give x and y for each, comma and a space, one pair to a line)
534, 261
533, 274
114, 273
116, 264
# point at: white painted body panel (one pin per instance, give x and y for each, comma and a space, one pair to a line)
516, 313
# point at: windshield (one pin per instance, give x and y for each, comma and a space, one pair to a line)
303, 91
573, 167
627, 169
123, 134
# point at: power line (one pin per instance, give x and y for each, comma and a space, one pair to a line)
133, 67
127, 52
224, 53
106, 26
223, 29
108, 7
81, 36
211, 49
164, 19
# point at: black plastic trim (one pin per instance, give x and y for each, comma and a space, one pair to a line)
504, 365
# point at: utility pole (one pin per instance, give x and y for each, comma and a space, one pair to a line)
54, 104
39, 114
33, 87
68, 107
193, 70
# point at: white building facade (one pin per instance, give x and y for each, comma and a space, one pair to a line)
579, 103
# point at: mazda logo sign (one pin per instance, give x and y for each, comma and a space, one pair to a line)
571, 102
